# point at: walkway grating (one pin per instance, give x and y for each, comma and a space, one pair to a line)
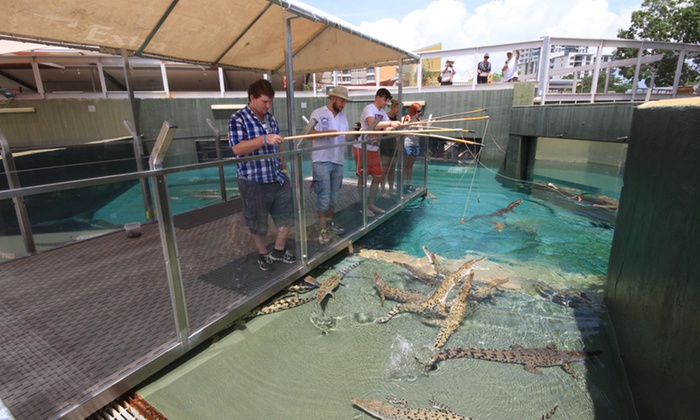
77, 320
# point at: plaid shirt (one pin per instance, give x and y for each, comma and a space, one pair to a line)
244, 126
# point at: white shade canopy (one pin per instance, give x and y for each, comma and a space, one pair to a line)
238, 34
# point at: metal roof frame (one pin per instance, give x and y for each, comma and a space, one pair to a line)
235, 34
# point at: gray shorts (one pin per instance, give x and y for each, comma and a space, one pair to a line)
261, 199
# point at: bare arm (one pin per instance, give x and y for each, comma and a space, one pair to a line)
383, 125
247, 146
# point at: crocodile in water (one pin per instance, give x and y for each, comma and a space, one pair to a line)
435, 304
531, 358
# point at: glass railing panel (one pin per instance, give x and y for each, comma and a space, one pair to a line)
414, 167
390, 157
197, 188
218, 255
63, 217
11, 243
332, 204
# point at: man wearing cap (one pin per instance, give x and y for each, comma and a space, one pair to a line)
510, 69
373, 111
328, 163
448, 72
483, 70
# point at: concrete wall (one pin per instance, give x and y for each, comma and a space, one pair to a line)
653, 284
65, 121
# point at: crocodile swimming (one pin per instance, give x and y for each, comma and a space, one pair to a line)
562, 297
426, 278
396, 294
387, 411
277, 306
531, 358
328, 286
510, 207
398, 410
486, 292
435, 304
440, 270
455, 316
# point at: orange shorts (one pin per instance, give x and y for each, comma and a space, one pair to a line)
373, 165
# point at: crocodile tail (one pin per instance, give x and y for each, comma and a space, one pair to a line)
549, 414
380, 285
397, 309
426, 367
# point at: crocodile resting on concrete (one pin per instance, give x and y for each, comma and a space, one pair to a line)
573, 299
387, 411
531, 358
426, 278
398, 410
440, 270
277, 306
436, 303
328, 286
455, 316
396, 294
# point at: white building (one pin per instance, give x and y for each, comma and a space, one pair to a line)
561, 56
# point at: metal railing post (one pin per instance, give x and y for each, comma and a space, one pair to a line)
13, 182
217, 134
300, 202
138, 154
543, 76
166, 227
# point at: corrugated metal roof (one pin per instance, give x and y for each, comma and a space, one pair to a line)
242, 34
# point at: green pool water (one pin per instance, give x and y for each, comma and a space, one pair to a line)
308, 362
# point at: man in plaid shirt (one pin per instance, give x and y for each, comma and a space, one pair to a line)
263, 183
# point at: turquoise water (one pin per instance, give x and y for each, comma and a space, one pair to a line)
308, 362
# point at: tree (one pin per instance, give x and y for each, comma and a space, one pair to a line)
615, 83
429, 76
669, 21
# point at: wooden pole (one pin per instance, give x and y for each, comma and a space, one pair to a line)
375, 132
459, 113
444, 121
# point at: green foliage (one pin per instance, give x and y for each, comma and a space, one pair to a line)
669, 21
615, 83
429, 76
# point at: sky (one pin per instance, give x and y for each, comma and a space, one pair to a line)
414, 24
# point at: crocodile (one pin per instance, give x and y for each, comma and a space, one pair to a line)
277, 306
510, 207
298, 287
387, 411
531, 358
455, 316
440, 270
398, 410
435, 304
486, 292
562, 297
328, 286
396, 294
426, 278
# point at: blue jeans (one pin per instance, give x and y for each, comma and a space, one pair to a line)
328, 177
412, 150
